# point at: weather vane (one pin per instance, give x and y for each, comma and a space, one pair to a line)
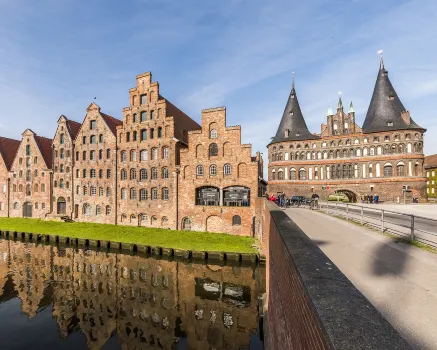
379, 53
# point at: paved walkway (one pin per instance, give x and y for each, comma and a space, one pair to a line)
398, 279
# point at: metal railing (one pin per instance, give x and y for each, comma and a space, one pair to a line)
407, 226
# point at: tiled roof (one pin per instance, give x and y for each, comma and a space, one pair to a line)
73, 127
112, 122
8, 149
431, 161
45, 146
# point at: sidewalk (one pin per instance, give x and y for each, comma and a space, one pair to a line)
398, 279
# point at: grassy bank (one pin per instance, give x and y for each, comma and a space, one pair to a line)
191, 240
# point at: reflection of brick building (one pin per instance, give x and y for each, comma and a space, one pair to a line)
8, 149
219, 178
379, 158
142, 171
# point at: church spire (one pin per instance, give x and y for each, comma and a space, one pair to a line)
386, 110
330, 110
340, 102
351, 108
292, 126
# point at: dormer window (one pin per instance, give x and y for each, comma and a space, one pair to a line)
287, 132
291, 113
390, 98
389, 123
297, 133
292, 96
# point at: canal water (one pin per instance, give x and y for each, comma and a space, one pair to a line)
67, 298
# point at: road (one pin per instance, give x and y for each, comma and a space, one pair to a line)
399, 280
425, 229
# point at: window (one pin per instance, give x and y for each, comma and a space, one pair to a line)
101, 191
165, 173
154, 194
236, 220
35, 188
93, 173
108, 210
43, 188
84, 173
98, 210
101, 174
143, 134
108, 173
154, 220
152, 115
165, 194
123, 174
144, 195
61, 139
152, 133
143, 99
199, 170
236, 196
93, 155
123, 193
213, 170
400, 170
93, 124
227, 169
77, 156
154, 173
154, 153
213, 150
213, 134
123, 156
280, 175
28, 150
292, 174
61, 183
85, 190
143, 174
93, 190
133, 156
164, 221
165, 153
134, 118
86, 209
84, 140
186, 224
159, 132
84, 155
143, 116
133, 174
108, 153
15, 205
302, 174
144, 155
134, 136
93, 139
128, 137
133, 193
28, 175
388, 170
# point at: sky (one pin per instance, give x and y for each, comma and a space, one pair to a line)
57, 55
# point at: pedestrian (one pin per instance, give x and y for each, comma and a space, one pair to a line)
375, 199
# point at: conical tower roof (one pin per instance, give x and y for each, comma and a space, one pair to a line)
292, 126
385, 109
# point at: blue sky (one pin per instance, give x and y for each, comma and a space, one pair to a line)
57, 55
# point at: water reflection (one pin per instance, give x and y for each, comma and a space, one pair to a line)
122, 301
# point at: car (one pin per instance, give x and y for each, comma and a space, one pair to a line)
295, 200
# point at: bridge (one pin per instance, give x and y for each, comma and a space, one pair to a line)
332, 284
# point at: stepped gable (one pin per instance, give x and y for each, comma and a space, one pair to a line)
386, 111
293, 126
8, 149
45, 146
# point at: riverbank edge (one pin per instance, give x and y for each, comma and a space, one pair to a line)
153, 250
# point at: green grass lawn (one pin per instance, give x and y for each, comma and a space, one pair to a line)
191, 240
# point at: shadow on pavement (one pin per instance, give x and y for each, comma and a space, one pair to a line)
390, 261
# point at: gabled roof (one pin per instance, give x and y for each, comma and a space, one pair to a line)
111, 122
385, 109
8, 150
45, 147
73, 128
431, 161
293, 121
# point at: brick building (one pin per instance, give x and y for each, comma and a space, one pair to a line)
63, 164
95, 168
383, 157
219, 178
8, 150
431, 176
144, 170
31, 177
149, 142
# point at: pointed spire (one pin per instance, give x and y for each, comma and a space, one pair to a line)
340, 103
381, 64
351, 108
385, 108
330, 110
292, 126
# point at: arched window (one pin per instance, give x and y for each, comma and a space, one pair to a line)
43, 188
165, 194
143, 194
292, 174
400, 169
165, 173
208, 196
164, 221
123, 156
101, 191
133, 193
227, 170
123, 193
93, 190
144, 155
28, 150
154, 173
35, 188
154, 153
86, 209
143, 134
123, 174
302, 174
165, 153
108, 173
143, 116
273, 174
101, 138
143, 174
98, 210
61, 139
154, 194
61, 183
133, 219
28, 190
186, 224
92, 155
213, 134
236, 196
199, 170
101, 174
93, 173
108, 210
133, 156
133, 174
236, 220
108, 191
213, 170
213, 150
280, 175
20, 188
93, 139
154, 220
388, 170
159, 132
